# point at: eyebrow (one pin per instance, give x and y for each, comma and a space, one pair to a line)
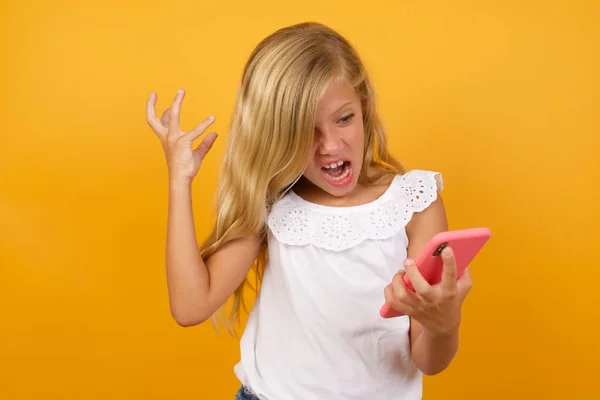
342, 106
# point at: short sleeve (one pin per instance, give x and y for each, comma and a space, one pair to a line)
421, 188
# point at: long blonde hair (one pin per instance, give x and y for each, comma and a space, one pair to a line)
272, 131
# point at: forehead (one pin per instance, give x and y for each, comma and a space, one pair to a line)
337, 93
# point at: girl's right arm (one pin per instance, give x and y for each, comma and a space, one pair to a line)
196, 288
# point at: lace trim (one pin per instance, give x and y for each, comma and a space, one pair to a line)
295, 221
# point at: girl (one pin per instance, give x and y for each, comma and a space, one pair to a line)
310, 197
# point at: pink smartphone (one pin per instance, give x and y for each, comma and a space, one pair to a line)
465, 243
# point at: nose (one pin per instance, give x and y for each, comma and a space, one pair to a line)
329, 142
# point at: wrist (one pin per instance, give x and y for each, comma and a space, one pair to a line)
178, 182
443, 334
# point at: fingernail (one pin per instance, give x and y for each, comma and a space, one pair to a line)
409, 262
180, 91
447, 252
211, 118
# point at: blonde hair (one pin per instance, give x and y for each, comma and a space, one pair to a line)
272, 131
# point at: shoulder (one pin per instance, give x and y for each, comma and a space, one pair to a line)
423, 190
420, 187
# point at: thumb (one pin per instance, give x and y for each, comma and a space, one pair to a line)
205, 145
464, 283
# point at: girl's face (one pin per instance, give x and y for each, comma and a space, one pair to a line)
337, 153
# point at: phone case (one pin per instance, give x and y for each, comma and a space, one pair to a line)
465, 243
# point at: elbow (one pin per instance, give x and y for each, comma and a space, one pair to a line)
187, 317
186, 322
432, 368
429, 371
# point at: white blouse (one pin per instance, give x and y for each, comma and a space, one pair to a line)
315, 331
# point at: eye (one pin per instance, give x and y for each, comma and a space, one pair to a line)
346, 119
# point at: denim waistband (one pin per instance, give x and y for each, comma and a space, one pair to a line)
245, 393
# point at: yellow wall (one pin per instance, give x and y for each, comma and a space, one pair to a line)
500, 96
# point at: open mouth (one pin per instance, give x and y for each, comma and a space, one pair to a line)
338, 173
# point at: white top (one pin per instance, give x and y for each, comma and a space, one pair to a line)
315, 331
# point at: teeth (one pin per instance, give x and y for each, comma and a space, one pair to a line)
335, 165
341, 177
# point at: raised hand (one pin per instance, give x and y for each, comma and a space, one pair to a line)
183, 160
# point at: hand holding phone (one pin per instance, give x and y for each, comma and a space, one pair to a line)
465, 243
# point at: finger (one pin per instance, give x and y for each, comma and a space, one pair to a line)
449, 270
164, 119
401, 291
206, 145
175, 112
465, 283
390, 298
199, 130
151, 115
421, 286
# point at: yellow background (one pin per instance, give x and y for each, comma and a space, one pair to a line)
501, 96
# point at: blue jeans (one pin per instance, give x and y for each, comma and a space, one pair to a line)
245, 394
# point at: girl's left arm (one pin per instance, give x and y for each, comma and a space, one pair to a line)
434, 311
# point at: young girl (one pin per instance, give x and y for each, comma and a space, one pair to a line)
310, 197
